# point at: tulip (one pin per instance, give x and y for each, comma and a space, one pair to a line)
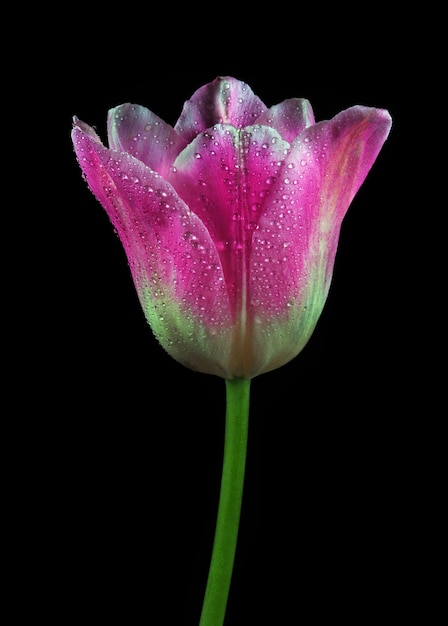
230, 221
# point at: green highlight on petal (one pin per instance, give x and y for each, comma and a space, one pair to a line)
200, 346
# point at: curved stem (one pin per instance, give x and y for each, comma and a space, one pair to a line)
230, 499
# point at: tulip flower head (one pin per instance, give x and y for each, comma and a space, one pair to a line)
230, 220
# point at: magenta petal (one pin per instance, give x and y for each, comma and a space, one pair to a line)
289, 118
136, 130
226, 100
294, 246
225, 176
334, 158
174, 263
299, 227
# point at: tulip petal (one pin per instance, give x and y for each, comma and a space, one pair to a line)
294, 247
226, 100
173, 260
225, 176
134, 129
334, 158
289, 118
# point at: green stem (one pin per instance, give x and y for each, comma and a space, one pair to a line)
229, 509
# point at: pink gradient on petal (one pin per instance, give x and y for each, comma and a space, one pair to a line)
289, 118
356, 137
162, 238
336, 156
136, 130
223, 101
225, 176
298, 232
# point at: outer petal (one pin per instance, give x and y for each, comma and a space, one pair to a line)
174, 263
136, 130
289, 118
226, 100
294, 247
334, 158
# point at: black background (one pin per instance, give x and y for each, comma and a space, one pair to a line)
130, 442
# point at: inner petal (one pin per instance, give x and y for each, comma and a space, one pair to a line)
226, 100
134, 129
290, 117
225, 176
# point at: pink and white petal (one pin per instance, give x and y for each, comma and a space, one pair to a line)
134, 129
225, 176
226, 100
340, 153
294, 247
174, 263
289, 117
279, 260
287, 289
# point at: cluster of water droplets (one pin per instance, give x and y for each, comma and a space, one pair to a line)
143, 134
283, 240
168, 239
224, 101
151, 134
85, 154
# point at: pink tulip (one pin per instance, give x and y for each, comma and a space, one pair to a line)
230, 219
